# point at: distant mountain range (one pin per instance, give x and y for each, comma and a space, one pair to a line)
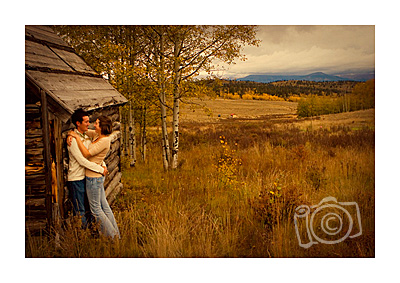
358, 77
316, 77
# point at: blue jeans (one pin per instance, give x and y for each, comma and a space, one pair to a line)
100, 208
80, 201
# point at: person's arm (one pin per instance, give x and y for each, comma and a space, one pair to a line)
91, 133
81, 146
75, 151
111, 136
99, 146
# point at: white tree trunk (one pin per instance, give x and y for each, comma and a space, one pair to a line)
175, 116
163, 106
165, 142
175, 144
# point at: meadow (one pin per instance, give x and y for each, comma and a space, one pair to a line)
237, 186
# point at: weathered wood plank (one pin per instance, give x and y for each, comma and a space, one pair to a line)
35, 214
34, 143
88, 101
39, 202
69, 82
55, 105
107, 111
44, 33
34, 160
33, 151
110, 176
113, 164
74, 91
32, 109
37, 55
116, 126
34, 170
35, 190
32, 124
47, 161
74, 60
113, 151
34, 225
113, 183
33, 133
35, 179
116, 135
33, 156
59, 164
112, 195
109, 160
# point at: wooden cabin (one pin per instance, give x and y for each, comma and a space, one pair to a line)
58, 82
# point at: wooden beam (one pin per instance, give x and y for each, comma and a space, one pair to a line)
46, 155
59, 163
52, 44
58, 71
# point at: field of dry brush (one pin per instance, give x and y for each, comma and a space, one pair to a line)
237, 188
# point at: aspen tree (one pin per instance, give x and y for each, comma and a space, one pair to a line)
195, 48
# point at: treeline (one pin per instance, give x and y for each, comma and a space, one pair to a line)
251, 95
314, 98
283, 89
362, 97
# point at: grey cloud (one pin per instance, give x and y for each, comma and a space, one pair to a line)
296, 49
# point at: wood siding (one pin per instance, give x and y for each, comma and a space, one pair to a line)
35, 184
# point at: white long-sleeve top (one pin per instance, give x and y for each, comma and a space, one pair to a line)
78, 163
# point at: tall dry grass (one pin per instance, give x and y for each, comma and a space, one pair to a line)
195, 212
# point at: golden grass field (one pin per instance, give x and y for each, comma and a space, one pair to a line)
193, 111
278, 111
238, 184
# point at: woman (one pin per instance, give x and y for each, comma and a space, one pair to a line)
96, 152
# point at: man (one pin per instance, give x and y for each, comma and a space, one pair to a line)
77, 165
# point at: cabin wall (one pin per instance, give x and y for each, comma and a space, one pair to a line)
38, 212
35, 175
35, 186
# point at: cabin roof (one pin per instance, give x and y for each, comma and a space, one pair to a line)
53, 66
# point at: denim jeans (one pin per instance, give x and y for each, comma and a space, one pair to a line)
80, 201
99, 206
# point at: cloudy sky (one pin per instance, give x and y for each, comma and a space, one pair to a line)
306, 49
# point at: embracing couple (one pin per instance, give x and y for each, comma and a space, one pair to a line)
87, 170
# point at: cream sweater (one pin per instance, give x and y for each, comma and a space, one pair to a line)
98, 150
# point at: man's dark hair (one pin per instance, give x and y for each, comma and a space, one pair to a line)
105, 125
78, 116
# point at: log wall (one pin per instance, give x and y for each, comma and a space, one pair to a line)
35, 186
